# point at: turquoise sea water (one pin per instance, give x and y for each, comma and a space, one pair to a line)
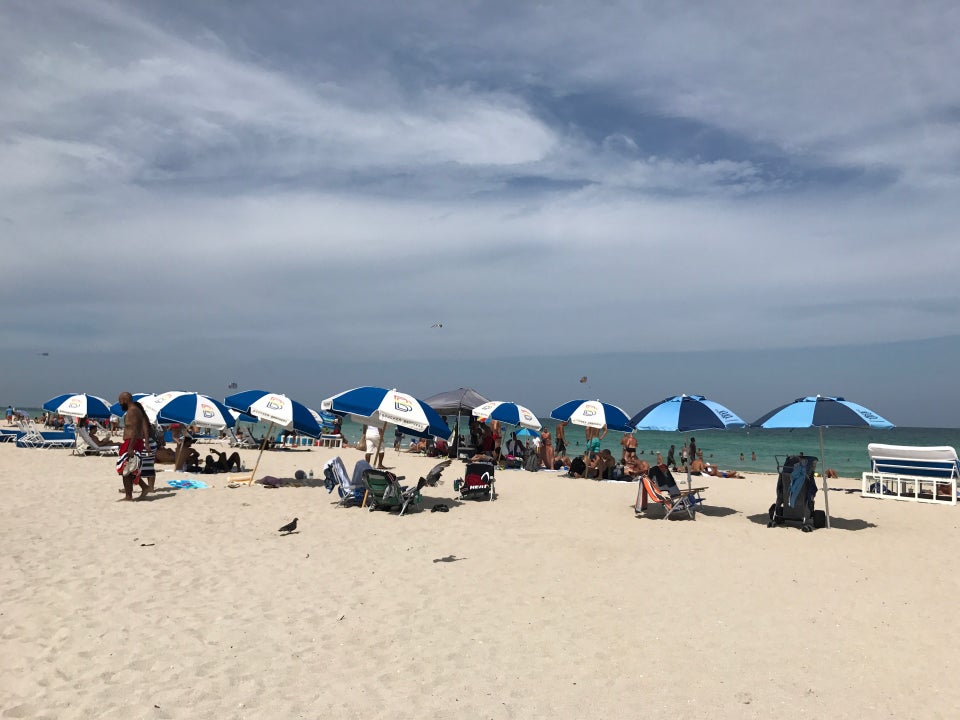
845, 448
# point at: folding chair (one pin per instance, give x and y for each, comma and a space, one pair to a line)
658, 487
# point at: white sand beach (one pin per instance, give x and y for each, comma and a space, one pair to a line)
553, 601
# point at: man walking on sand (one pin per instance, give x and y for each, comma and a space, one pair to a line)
136, 431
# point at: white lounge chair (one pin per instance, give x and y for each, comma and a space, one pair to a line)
86, 445
31, 436
904, 472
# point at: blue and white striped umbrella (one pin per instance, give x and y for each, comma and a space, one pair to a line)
820, 411
593, 413
685, 413
507, 412
276, 409
190, 409
380, 406
78, 405
143, 399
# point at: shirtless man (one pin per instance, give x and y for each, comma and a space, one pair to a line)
593, 437
629, 444
136, 430
561, 439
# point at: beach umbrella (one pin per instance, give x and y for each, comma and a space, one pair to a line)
820, 412
379, 406
276, 409
525, 433
143, 399
189, 408
593, 414
507, 412
459, 402
78, 405
686, 413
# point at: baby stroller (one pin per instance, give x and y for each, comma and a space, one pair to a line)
796, 490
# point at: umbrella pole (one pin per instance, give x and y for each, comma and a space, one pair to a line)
263, 444
823, 474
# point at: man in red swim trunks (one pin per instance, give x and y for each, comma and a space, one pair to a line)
136, 430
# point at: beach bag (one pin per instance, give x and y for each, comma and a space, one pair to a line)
532, 462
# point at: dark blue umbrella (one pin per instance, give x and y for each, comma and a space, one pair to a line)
822, 411
686, 413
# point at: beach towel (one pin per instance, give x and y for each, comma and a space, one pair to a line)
798, 479
188, 484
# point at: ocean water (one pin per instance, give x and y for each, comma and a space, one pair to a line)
845, 449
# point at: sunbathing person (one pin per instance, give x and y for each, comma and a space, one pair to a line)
106, 442
601, 465
222, 463
416, 446
635, 467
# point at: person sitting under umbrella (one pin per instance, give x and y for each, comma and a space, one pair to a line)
601, 465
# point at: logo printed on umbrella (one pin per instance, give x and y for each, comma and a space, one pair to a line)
725, 414
589, 410
402, 404
527, 416
207, 411
73, 404
274, 403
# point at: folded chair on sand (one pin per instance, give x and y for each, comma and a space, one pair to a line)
477, 483
336, 476
658, 487
384, 491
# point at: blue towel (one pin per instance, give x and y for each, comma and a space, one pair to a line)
188, 484
798, 479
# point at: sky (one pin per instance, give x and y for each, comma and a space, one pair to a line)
290, 195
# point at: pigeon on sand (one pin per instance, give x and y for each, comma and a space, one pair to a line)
289, 527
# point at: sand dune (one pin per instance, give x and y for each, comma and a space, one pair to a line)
555, 600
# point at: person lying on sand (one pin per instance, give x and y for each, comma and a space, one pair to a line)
222, 463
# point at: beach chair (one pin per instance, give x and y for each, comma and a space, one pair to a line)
658, 487
336, 476
8, 435
384, 492
477, 483
241, 442
917, 473
85, 445
31, 436
796, 493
